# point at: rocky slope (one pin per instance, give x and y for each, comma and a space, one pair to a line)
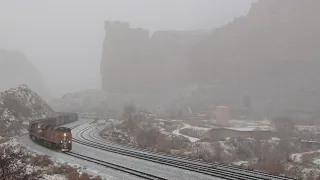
20, 105
16, 69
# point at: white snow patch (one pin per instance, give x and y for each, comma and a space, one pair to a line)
298, 156
250, 128
275, 139
239, 163
316, 161
196, 127
55, 177
177, 132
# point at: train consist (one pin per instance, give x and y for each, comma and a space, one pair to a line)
48, 132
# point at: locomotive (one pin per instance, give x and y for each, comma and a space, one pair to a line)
48, 132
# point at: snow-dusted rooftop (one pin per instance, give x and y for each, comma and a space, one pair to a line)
252, 128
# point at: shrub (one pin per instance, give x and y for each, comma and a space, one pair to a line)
42, 161
12, 166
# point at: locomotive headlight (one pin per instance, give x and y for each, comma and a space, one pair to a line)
60, 141
64, 134
69, 141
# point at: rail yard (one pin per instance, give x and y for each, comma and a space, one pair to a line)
102, 156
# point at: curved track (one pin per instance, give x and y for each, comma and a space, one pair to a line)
212, 169
116, 167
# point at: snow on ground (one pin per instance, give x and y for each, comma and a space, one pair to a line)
102, 122
297, 157
250, 128
177, 132
239, 163
79, 164
15, 143
313, 129
196, 128
12, 142
275, 139
110, 174
55, 177
245, 125
316, 161
250, 123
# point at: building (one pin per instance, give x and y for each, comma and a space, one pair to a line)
241, 132
222, 115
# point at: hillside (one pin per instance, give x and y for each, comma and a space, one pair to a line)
18, 106
16, 69
270, 54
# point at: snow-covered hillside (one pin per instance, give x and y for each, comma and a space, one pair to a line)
20, 105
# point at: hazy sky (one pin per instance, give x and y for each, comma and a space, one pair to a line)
63, 38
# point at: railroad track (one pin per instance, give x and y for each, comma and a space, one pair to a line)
191, 160
116, 167
196, 161
212, 169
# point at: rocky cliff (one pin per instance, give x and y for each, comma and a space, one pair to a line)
269, 56
18, 106
136, 61
15, 69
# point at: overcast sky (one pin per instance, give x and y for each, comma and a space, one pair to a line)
63, 38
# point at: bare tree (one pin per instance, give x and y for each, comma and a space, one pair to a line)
12, 166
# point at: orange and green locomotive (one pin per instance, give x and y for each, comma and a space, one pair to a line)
48, 132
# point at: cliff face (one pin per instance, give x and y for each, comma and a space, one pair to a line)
15, 69
271, 55
134, 61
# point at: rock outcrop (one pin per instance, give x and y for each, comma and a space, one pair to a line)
20, 105
16, 69
270, 55
136, 61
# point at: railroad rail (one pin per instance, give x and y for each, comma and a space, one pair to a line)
212, 169
116, 167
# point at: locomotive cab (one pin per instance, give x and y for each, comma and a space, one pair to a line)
64, 138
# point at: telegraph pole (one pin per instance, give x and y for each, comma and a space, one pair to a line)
172, 141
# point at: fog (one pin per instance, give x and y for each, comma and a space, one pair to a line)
64, 38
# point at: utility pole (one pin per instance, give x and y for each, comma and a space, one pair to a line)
172, 141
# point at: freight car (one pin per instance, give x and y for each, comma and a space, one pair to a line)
48, 132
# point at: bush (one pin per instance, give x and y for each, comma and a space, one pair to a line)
84, 176
42, 161
58, 170
13, 167
73, 174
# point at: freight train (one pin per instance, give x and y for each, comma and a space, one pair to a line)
48, 132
